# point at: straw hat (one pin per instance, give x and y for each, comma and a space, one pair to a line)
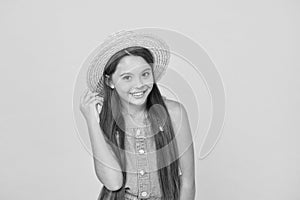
119, 41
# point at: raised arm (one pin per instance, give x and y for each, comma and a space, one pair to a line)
106, 165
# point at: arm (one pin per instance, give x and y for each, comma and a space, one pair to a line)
106, 166
185, 149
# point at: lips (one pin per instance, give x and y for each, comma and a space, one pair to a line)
138, 94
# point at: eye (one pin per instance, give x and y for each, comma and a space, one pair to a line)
126, 77
146, 74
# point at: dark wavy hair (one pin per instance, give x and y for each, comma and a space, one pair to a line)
113, 126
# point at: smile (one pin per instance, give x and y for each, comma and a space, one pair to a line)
138, 94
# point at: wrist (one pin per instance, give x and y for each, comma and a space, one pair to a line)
92, 122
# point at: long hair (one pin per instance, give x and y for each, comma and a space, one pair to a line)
112, 123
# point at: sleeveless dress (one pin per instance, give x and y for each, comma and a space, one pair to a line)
142, 173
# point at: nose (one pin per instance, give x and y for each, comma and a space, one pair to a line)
139, 82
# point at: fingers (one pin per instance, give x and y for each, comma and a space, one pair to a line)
82, 97
97, 103
95, 100
88, 95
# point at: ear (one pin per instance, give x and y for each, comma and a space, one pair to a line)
108, 81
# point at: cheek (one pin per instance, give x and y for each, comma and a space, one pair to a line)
122, 88
149, 81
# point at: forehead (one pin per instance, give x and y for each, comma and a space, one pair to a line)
132, 64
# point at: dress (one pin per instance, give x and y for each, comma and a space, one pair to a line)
142, 173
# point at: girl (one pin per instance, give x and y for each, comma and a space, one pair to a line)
141, 141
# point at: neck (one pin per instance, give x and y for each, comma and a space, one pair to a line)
133, 109
134, 115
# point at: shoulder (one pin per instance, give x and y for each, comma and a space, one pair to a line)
175, 109
180, 123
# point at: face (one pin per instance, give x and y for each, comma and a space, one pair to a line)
133, 80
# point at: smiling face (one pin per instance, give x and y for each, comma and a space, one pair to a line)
133, 80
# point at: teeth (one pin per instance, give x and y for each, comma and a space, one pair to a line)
138, 94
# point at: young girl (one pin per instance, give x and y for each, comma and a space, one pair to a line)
141, 141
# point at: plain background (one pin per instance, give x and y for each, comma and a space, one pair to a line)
254, 45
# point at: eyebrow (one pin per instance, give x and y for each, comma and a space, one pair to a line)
131, 73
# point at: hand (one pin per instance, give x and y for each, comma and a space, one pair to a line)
91, 105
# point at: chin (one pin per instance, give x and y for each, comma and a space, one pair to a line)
137, 101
